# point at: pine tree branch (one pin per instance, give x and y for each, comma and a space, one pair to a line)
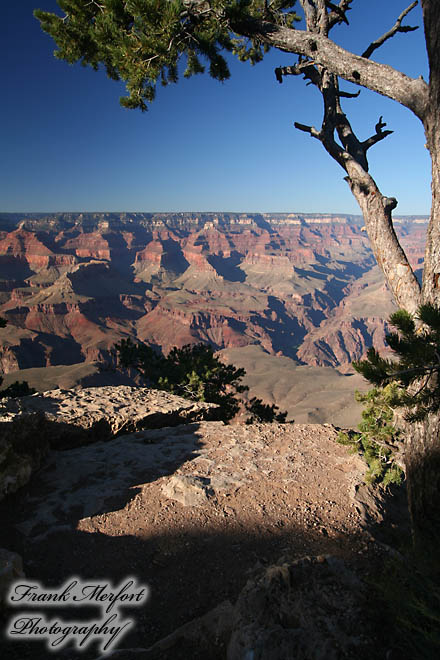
397, 27
414, 371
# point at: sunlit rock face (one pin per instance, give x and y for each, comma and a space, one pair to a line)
300, 286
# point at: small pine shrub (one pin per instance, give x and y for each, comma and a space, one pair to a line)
263, 412
377, 436
17, 389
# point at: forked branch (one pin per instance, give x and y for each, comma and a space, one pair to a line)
351, 154
379, 135
397, 27
411, 93
338, 12
304, 68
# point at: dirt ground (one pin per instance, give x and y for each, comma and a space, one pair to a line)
192, 512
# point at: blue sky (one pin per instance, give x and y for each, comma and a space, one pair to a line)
203, 145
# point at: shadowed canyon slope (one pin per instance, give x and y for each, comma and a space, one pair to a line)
303, 287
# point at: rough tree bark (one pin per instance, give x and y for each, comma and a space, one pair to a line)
431, 122
422, 452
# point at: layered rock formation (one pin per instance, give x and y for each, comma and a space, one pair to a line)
72, 285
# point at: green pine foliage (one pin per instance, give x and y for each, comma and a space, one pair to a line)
264, 412
142, 41
194, 372
416, 364
377, 436
408, 380
19, 388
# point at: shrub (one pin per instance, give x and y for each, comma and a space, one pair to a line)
194, 372
377, 439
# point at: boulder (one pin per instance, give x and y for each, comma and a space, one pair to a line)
65, 419
311, 609
212, 630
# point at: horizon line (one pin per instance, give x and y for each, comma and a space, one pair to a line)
314, 213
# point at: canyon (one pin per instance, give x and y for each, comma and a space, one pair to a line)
292, 297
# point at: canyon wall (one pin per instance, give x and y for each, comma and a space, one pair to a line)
300, 286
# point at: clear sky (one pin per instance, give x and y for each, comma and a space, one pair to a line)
67, 145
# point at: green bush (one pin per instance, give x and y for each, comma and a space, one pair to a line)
194, 372
17, 389
409, 380
263, 412
377, 437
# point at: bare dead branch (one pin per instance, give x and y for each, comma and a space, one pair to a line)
338, 12
336, 120
377, 208
397, 27
378, 136
305, 68
390, 203
279, 73
348, 95
380, 124
308, 129
411, 93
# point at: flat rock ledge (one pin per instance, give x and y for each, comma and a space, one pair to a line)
199, 466
235, 528
100, 413
65, 419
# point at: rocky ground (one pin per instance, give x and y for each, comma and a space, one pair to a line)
254, 540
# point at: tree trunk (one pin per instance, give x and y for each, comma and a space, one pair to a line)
431, 275
422, 439
422, 463
376, 211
